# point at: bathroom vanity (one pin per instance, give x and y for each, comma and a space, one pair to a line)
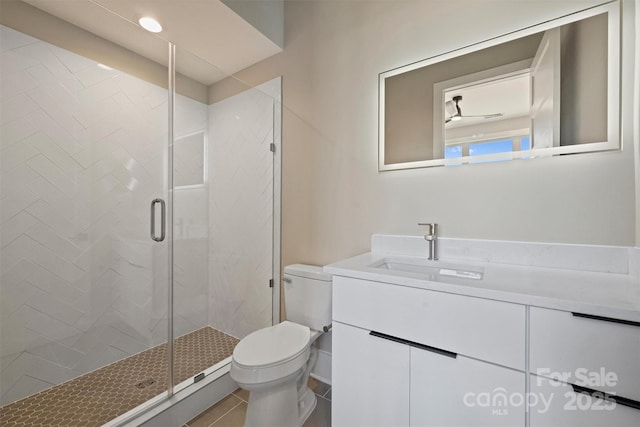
492, 334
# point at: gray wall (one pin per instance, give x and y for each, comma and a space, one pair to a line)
583, 87
333, 196
267, 16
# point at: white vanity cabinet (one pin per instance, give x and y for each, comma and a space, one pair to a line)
405, 356
477, 337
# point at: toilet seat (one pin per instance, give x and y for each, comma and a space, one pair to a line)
272, 345
271, 353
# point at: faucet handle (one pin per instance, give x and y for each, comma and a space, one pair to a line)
433, 230
432, 225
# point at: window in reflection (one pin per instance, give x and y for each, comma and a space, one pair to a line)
492, 147
486, 147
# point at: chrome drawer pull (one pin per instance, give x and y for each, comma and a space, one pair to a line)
606, 319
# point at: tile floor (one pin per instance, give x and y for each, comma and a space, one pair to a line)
231, 410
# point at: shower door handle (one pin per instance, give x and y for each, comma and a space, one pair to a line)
153, 219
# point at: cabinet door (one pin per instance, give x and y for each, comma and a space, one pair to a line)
458, 391
556, 404
370, 380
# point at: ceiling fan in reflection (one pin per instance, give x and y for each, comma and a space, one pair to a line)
455, 112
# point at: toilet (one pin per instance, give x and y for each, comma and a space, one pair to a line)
274, 363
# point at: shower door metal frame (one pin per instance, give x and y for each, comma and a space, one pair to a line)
171, 80
277, 206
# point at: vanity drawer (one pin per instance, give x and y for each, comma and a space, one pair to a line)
556, 404
485, 329
586, 350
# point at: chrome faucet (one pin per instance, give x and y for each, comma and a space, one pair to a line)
432, 238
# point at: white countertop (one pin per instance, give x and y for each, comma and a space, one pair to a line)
615, 295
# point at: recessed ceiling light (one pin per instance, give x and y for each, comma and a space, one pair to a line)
150, 24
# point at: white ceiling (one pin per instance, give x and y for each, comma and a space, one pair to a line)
211, 40
508, 96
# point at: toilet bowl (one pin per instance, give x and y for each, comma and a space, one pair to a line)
274, 363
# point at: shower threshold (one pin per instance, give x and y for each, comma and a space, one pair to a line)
104, 394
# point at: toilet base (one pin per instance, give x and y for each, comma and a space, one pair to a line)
279, 406
306, 405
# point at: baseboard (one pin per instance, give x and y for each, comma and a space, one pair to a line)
322, 370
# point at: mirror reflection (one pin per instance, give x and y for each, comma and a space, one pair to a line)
544, 91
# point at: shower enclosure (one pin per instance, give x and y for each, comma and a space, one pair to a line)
139, 223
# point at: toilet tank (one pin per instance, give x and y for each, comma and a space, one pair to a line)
307, 293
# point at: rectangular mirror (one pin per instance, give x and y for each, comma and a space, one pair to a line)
546, 90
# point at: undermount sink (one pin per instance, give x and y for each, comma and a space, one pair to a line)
430, 269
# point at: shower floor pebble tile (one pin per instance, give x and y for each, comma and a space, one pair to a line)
231, 411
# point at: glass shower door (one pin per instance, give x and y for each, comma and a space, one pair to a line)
83, 286
223, 214
242, 153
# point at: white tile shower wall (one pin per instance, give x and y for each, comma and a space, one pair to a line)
241, 211
82, 154
191, 244
190, 252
